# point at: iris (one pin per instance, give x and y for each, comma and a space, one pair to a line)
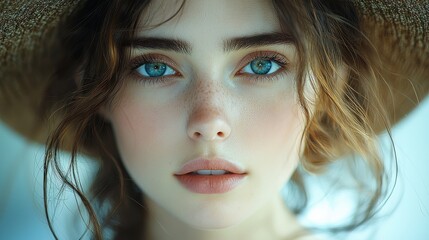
261, 66
155, 69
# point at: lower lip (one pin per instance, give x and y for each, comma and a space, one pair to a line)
210, 184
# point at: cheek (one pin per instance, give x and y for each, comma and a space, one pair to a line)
143, 132
273, 136
275, 128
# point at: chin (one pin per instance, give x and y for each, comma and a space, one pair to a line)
218, 224
216, 219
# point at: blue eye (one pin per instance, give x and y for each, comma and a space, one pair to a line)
261, 66
155, 69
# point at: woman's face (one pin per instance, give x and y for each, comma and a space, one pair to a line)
219, 85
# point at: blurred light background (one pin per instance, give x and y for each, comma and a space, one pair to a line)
406, 213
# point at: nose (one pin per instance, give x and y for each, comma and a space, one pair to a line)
208, 125
207, 102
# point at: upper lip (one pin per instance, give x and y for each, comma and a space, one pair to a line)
209, 164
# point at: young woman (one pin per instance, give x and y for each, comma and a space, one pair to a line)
199, 112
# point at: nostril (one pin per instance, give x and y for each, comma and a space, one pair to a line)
221, 134
197, 134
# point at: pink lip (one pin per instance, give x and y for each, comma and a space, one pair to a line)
210, 184
209, 164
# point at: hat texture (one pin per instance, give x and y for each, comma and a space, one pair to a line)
399, 30
26, 28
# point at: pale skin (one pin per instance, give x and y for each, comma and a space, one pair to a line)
210, 104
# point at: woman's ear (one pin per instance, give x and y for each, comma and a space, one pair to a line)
104, 112
78, 78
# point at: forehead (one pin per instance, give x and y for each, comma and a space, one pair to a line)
208, 20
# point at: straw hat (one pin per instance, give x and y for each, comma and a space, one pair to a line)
398, 28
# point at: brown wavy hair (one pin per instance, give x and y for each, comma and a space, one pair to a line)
327, 37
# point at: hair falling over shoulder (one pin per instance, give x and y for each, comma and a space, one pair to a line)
327, 37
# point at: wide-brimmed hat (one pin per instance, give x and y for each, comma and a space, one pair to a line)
399, 30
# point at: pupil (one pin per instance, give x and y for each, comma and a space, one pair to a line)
155, 69
260, 66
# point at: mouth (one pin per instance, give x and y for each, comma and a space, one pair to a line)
215, 166
210, 172
210, 176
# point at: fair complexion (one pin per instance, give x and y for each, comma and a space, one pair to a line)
204, 99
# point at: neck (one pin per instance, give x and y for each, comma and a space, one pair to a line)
273, 221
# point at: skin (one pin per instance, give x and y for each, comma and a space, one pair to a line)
161, 126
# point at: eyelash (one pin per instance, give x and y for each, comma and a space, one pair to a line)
263, 55
150, 58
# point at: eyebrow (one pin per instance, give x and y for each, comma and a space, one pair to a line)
256, 40
160, 43
229, 45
